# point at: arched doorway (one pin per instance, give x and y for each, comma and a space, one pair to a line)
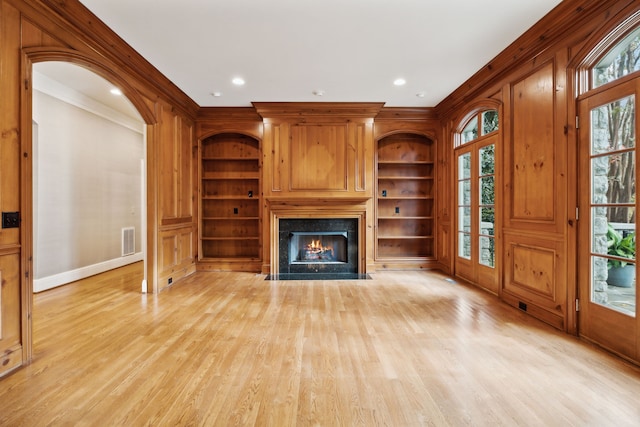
88, 176
99, 67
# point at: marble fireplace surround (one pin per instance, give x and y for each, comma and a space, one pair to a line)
315, 209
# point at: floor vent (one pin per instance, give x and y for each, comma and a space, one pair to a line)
128, 241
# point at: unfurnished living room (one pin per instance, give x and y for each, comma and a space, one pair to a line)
330, 213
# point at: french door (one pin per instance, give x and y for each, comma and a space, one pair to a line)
607, 216
476, 213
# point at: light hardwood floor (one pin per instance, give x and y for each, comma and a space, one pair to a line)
402, 349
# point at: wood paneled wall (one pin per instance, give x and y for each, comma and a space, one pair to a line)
177, 199
535, 84
317, 153
32, 31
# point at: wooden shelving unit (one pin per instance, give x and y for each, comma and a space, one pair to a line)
230, 198
405, 198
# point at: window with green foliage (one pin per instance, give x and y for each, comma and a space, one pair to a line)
623, 59
486, 122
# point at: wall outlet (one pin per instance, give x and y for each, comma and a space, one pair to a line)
170, 280
10, 219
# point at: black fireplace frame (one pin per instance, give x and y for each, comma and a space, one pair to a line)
287, 226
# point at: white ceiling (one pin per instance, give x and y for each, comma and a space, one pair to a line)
83, 81
352, 50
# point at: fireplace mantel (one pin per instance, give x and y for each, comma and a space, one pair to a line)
287, 208
316, 201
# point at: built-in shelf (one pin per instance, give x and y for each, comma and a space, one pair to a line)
405, 198
230, 198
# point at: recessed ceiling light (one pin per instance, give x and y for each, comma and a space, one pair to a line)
216, 94
318, 92
238, 81
116, 91
399, 82
420, 94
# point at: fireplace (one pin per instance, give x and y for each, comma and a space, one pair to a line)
318, 246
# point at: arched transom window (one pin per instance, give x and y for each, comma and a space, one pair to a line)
485, 121
619, 61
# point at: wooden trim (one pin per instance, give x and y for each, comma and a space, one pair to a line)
335, 110
407, 114
96, 65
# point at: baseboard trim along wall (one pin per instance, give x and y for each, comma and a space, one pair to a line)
60, 279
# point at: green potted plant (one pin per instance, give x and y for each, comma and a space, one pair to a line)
621, 273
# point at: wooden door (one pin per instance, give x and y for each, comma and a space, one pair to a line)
475, 213
608, 125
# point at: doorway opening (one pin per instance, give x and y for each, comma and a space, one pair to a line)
89, 189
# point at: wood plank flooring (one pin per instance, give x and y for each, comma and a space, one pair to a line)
224, 349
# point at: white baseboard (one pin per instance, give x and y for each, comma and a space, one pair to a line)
60, 279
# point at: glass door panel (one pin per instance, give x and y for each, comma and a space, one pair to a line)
464, 206
486, 186
607, 263
612, 211
476, 213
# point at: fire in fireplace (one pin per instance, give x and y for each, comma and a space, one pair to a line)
318, 247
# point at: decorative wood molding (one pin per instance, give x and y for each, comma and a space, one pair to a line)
334, 110
228, 114
407, 114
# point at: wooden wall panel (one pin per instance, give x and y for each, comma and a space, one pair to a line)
533, 166
535, 275
318, 148
169, 245
185, 247
533, 269
176, 255
177, 159
186, 169
177, 165
318, 157
11, 347
277, 156
168, 162
535, 175
358, 148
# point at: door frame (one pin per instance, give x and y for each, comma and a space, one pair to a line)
607, 327
104, 70
471, 270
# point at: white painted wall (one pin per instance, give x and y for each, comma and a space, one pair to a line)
87, 185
